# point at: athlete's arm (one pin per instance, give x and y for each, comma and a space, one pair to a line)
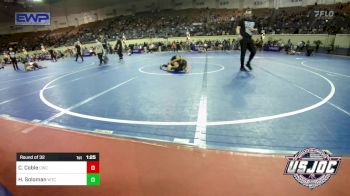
238, 32
255, 30
257, 27
175, 60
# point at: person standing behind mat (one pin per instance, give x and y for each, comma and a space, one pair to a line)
78, 51
245, 30
119, 48
13, 58
53, 55
2, 63
99, 51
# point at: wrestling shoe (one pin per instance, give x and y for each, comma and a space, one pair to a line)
249, 67
243, 69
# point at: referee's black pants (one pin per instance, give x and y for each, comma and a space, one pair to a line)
120, 54
77, 55
247, 43
100, 57
14, 63
53, 57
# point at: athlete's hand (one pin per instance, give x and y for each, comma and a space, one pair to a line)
239, 37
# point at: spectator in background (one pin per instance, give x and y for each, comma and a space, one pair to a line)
308, 48
207, 22
2, 63
317, 43
6, 57
173, 46
53, 55
13, 58
131, 49
100, 51
110, 49
300, 46
42, 48
119, 48
288, 47
124, 39
25, 53
178, 46
105, 44
78, 51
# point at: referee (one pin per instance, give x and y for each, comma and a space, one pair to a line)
245, 30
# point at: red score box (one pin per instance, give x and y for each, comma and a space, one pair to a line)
93, 167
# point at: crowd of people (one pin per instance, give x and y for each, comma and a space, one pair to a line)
175, 23
103, 47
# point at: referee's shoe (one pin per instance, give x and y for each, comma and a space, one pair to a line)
243, 69
249, 67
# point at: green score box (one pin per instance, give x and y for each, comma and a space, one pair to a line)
93, 179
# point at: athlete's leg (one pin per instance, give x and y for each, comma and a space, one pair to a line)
120, 54
100, 57
16, 64
252, 49
81, 56
243, 43
13, 64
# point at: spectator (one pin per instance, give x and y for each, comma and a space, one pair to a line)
13, 58
119, 48
100, 51
2, 63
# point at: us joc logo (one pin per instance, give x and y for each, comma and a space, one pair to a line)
312, 167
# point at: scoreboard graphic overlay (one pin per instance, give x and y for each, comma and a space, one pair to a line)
42, 169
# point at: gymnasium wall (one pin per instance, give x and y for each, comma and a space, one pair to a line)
341, 41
